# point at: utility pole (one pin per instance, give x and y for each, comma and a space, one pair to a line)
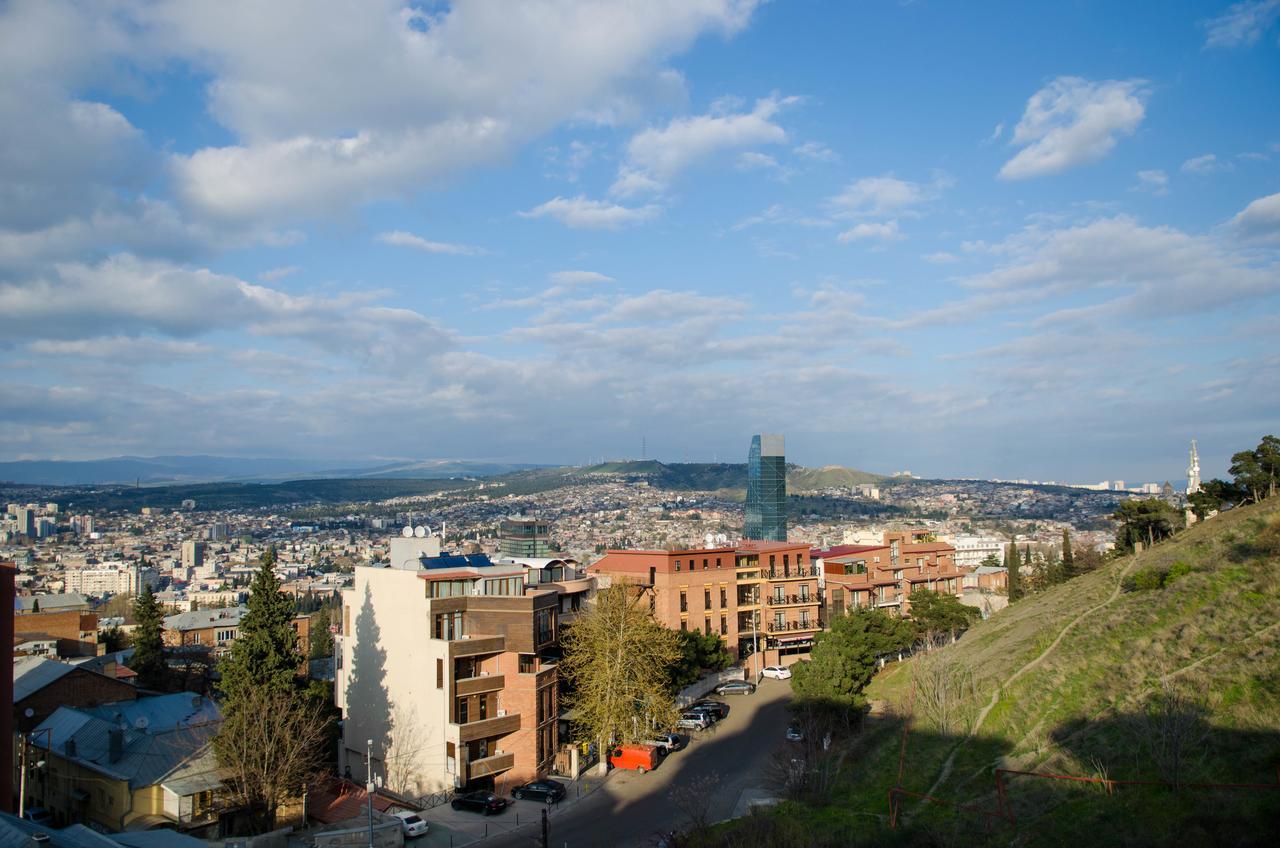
22, 776
368, 784
546, 831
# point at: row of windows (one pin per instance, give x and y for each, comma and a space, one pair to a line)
693, 564
706, 625
706, 598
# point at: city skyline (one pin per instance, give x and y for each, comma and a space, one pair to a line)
1044, 246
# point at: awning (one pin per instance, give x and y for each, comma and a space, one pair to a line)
789, 639
193, 784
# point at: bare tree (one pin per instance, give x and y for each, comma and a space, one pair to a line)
272, 747
694, 800
941, 688
402, 759
1171, 728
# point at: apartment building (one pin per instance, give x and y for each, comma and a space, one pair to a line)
446, 674
112, 578
65, 634
972, 550
759, 596
215, 630
886, 574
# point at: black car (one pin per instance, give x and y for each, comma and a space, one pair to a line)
482, 802
736, 687
720, 708
711, 713
541, 790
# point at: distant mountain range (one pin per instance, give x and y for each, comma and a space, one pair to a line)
157, 470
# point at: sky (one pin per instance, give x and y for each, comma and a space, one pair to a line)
1021, 240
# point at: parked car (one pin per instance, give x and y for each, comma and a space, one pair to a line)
736, 687
483, 802
777, 672
712, 714
411, 823
720, 708
794, 734
666, 743
541, 790
693, 721
642, 758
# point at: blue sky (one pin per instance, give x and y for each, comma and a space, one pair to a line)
1011, 239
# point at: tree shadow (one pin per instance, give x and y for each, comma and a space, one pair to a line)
367, 715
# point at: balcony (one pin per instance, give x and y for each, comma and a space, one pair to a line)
490, 765
478, 685
792, 600
476, 645
488, 727
795, 572
793, 626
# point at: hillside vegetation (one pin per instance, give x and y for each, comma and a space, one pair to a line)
1164, 666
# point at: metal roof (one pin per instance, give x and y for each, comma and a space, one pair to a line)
31, 674
50, 603
198, 619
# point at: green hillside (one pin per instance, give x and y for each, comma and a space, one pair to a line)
725, 477
1096, 677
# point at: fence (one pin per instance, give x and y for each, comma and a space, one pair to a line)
701, 688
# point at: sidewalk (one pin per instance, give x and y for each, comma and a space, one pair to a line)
455, 829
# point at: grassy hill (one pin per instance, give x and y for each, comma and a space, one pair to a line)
725, 477
1095, 678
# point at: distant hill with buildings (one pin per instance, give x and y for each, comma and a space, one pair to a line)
724, 477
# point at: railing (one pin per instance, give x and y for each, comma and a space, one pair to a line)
774, 627
490, 765
487, 727
469, 647
776, 600
792, 572
482, 683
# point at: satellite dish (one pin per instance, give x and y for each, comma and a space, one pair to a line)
407, 532
140, 722
420, 532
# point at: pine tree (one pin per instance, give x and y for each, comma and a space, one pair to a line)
1012, 563
265, 653
1068, 559
148, 642
35, 605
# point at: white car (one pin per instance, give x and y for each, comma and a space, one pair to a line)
411, 823
777, 672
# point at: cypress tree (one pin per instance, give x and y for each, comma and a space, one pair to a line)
265, 654
1068, 559
148, 642
1012, 564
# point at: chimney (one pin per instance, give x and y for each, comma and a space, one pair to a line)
115, 744
71, 747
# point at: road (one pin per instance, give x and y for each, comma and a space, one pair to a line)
632, 809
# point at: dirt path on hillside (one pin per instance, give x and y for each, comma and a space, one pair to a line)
1033, 664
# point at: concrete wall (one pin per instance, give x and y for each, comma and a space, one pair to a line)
274, 839
387, 834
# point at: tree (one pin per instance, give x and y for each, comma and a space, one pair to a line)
617, 659
1148, 520
272, 745
35, 605
1013, 564
699, 652
148, 642
938, 614
113, 639
845, 658
1214, 495
990, 561
1257, 472
1068, 558
321, 639
265, 653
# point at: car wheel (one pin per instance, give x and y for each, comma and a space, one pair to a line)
519, 795
455, 805
642, 769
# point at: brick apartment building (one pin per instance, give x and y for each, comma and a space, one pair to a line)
757, 595
69, 634
885, 575
42, 685
448, 664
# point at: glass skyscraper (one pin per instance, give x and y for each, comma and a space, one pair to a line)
766, 512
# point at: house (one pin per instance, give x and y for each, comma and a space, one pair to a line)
213, 630
884, 575
18, 833
42, 685
71, 633
130, 766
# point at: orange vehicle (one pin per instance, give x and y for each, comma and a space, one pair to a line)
642, 758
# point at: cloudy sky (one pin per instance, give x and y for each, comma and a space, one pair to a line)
1014, 239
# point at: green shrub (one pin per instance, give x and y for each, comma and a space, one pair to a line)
1176, 571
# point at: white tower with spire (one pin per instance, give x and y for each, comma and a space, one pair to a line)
1193, 470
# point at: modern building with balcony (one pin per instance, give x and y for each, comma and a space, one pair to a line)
885, 575
446, 675
760, 597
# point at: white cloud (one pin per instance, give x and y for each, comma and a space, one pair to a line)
942, 257
400, 238
816, 151
1242, 24
579, 278
874, 197
271, 275
582, 213
751, 160
886, 231
1071, 122
1260, 220
1206, 164
1155, 181
656, 156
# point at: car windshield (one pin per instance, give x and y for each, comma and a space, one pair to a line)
411, 819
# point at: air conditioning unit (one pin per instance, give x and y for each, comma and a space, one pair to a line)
501, 713
484, 674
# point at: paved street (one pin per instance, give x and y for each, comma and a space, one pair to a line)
631, 809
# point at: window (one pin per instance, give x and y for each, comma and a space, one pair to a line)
449, 588
684, 624
706, 625
462, 711
448, 626
677, 565
527, 665
724, 625
777, 594
777, 621
786, 560
804, 618
439, 673
704, 563
724, 596
706, 599
772, 560
544, 625
684, 601
717, 562
804, 592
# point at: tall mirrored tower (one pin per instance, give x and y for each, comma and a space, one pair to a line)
766, 510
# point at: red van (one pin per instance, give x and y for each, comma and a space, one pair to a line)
642, 758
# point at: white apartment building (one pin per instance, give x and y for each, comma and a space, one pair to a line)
442, 674
972, 550
112, 578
